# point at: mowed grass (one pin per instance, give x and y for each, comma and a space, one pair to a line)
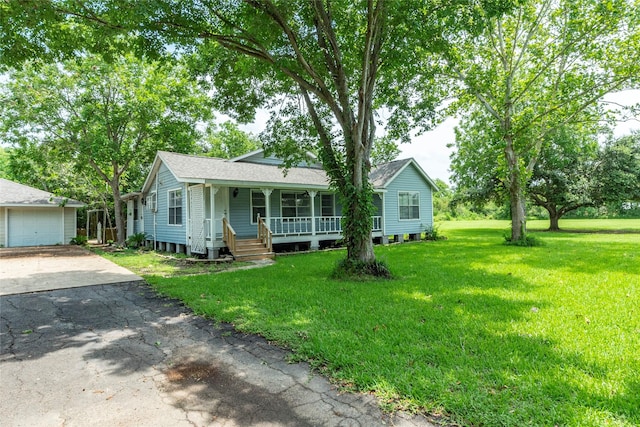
483, 333
149, 263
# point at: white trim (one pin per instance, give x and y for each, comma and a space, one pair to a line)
252, 220
181, 189
333, 202
152, 205
411, 192
296, 207
62, 227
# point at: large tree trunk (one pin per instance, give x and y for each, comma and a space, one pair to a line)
119, 213
516, 193
358, 221
554, 219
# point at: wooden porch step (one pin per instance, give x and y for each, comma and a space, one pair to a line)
251, 249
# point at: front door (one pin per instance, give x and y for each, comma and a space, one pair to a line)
197, 236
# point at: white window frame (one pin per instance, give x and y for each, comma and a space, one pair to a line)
169, 207
411, 194
333, 204
152, 201
254, 217
296, 207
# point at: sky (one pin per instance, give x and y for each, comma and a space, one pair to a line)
430, 149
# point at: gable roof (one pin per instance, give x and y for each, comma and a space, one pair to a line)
16, 194
382, 175
202, 169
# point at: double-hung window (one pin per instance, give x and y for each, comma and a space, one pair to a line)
327, 204
258, 205
296, 205
175, 207
409, 205
152, 201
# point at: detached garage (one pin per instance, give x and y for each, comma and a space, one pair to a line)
32, 217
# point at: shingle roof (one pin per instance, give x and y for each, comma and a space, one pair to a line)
190, 168
186, 167
382, 174
15, 194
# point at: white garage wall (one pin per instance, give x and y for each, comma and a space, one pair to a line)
70, 224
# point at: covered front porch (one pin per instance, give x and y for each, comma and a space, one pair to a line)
220, 216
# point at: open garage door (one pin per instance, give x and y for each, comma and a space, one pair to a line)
35, 227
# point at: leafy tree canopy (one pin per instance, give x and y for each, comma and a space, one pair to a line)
533, 71
103, 120
324, 68
228, 140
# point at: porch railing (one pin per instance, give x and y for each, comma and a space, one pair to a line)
265, 234
284, 226
228, 235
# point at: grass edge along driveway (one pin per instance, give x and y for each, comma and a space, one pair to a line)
482, 333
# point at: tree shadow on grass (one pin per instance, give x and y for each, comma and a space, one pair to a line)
447, 336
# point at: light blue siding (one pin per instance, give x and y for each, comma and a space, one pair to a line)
408, 180
240, 213
164, 231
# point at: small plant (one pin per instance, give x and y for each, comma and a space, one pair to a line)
79, 240
525, 241
431, 232
110, 242
136, 240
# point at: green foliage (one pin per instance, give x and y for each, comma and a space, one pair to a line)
482, 333
79, 240
325, 69
527, 240
92, 121
531, 73
618, 170
229, 141
136, 240
4, 163
432, 232
384, 150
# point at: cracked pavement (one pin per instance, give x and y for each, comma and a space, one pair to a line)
120, 355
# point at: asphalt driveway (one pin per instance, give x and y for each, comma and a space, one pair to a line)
120, 355
44, 268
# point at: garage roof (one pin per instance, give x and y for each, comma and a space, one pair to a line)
15, 194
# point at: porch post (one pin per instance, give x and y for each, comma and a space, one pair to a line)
267, 205
212, 252
212, 226
312, 195
315, 244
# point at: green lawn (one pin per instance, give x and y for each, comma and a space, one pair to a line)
149, 264
483, 333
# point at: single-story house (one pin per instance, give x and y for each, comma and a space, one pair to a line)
32, 217
203, 205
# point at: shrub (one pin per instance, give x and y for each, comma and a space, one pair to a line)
136, 240
431, 232
525, 241
79, 240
